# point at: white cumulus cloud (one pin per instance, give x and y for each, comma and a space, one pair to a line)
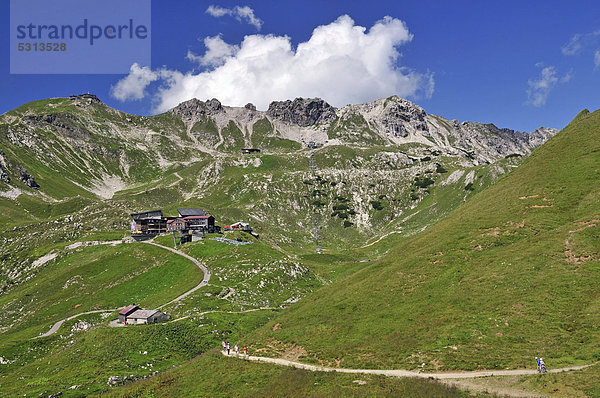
341, 62
217, 51
244, 13
133, 86
539, 89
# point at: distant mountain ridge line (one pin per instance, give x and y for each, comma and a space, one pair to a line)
388, 121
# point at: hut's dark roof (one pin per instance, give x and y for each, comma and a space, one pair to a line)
147, 214
143, 314
129, 309
191, 212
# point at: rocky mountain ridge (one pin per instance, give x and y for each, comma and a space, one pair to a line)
391, 121
82, 138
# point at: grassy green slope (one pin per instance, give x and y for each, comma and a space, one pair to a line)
85, 351
222, 377
87, 359
580, 384
100, 277
251, 276
264, 136
511, 274
91, 278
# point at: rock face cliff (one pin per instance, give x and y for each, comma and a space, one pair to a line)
194, 107
3, 168
401, 118
387, 122
302, 112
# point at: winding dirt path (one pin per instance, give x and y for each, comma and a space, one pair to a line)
315, 368
176, 174
381, 238
405, 373
204, 282
204, 270
58, 324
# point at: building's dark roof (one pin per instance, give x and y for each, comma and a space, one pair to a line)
191, 212
129, 309
87, 95
143, 314
147, 214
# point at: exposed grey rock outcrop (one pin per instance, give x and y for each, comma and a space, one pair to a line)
114, 381
194, 108
66, 124
4, 175
386, 121
539, 136
91, 97
399, 114
72, 128
77, 140
4, 168
302, 111
399, 121
485, 142
27, 178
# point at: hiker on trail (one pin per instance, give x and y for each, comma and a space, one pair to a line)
245, 351
228, 348
538, 363
236, 349
542, 365
225, 347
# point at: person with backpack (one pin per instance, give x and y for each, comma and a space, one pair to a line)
542, 366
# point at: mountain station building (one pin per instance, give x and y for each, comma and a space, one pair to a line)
148, 224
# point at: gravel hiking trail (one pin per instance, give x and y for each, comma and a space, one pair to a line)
405, 373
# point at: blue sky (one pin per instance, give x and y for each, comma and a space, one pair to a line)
517, 64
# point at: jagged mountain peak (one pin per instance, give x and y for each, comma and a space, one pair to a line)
302, 111
195, 107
